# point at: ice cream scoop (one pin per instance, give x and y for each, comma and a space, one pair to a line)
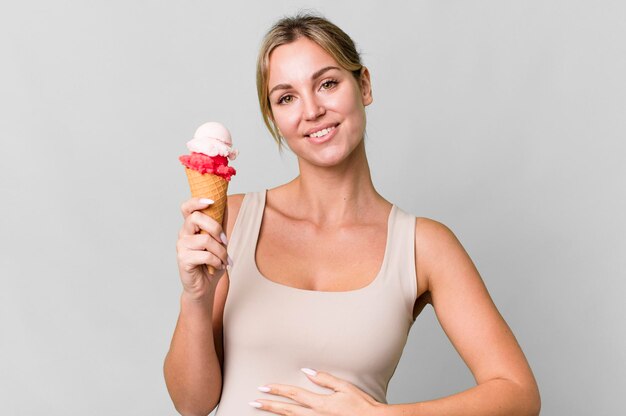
211, 148
212, 139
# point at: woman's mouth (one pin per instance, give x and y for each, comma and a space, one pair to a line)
322, 132
322, 135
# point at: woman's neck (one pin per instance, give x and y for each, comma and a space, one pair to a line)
332, 196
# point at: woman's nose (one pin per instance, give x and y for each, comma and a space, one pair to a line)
313, 108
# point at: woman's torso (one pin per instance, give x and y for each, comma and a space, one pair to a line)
271, 330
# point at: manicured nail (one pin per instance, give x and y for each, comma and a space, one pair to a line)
264, 389
309, 371
206, 201
255, 404
224, 239
230, 261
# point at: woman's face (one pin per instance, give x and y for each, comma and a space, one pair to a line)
318, 106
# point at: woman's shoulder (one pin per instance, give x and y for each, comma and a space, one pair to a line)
433, 236
430, 226
437, 248
427, 228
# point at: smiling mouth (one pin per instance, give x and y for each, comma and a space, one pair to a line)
322, 133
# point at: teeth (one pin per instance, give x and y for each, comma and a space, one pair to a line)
321, 133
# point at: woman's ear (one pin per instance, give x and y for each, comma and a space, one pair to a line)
366, 87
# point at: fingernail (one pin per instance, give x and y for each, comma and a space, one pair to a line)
230, 261
255, 404
309, 371
224, 239
206, 201
264, 389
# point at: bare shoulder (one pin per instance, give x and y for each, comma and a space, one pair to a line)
436, 246
431, 231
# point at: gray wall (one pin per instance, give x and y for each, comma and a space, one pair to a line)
504, 120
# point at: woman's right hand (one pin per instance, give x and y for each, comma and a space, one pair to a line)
196, 251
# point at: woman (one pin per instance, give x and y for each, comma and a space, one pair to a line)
325, 273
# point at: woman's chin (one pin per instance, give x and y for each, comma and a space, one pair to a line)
329, 159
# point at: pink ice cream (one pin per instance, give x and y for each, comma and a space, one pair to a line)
211, 148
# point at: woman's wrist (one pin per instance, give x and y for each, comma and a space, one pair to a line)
382, 409
202, 300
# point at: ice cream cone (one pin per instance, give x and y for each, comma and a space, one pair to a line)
209, 186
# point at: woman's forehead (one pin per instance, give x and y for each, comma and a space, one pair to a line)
298, 59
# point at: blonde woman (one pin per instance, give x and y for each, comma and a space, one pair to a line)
325, 277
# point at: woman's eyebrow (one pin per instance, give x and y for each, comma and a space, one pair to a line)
315, 75
319, 73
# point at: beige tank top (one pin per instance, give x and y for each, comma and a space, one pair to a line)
272, 330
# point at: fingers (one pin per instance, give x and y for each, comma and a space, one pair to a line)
326, 380
194, 204
329, 381
280, 408
297, 394
198, 246
345, 398
206, 247
203, 242
198, 221
195, 258
195, 220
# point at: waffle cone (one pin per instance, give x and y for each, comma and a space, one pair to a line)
209, 186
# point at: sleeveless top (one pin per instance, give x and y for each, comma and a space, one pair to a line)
272, 330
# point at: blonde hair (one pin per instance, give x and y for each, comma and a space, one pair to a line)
288, 29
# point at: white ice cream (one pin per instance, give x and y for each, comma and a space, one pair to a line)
212, 139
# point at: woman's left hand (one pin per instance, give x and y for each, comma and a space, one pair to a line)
346, 399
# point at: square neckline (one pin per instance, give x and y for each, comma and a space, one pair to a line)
260, 212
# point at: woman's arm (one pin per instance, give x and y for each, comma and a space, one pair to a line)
193, 365
468, 316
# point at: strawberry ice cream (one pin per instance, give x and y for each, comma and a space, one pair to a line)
211, 148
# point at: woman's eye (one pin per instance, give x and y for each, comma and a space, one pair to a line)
285, 99
326, 85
